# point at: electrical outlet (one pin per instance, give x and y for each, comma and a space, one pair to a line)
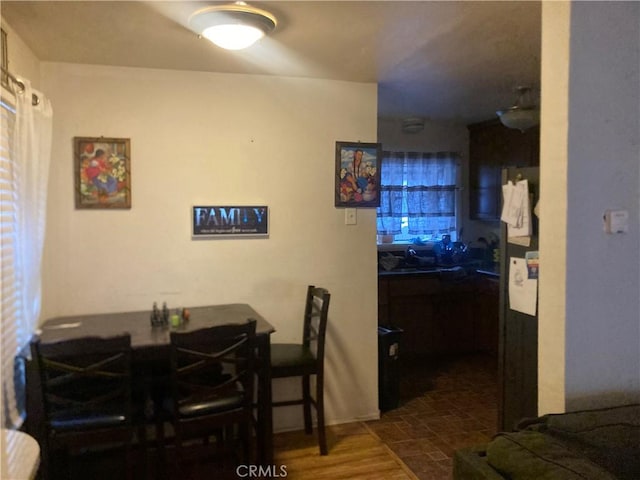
350, 216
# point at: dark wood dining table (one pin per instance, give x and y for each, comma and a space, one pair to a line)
151, 344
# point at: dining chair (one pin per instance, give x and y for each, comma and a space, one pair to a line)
306, 359
86, 397
212, 387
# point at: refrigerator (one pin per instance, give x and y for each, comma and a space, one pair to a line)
518, 332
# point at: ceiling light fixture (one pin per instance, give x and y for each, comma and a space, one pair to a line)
234, 26
523, 115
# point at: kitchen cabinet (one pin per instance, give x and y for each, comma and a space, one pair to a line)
492, 146
440, 316
487, 302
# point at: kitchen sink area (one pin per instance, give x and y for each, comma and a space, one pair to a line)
432, 258
446, 302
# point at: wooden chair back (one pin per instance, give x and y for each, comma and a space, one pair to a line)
207, 365
85, 377
315, 322
85, 387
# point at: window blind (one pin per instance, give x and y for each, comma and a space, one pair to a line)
10, 323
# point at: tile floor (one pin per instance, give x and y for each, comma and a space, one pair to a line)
445, 404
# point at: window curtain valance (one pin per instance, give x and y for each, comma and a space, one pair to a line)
420, 187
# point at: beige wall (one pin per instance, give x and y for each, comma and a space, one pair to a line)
216, 139
553, 206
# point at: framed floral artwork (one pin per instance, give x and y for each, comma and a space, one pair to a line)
102, 172
358, 174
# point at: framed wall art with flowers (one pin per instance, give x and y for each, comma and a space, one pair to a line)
102, 172
358, 174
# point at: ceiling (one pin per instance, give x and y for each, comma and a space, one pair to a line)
447, 60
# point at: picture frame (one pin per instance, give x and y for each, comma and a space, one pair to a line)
230, 221
102, 173
357, 178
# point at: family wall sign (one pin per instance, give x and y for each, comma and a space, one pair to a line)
230, 221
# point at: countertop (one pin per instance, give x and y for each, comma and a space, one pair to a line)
490, 271
469, 269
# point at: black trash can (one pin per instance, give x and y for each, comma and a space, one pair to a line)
388, 370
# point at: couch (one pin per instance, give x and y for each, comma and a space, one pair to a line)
602, 444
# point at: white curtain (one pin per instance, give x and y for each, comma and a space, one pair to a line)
420, 187
31, 158
33, 141
393, 205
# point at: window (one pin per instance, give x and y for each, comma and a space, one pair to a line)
12, 336
418, 195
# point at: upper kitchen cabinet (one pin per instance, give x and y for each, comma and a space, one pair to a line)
492, 146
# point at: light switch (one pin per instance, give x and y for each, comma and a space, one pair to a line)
616, 221
350, 216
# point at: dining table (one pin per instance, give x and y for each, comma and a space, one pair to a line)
150, 344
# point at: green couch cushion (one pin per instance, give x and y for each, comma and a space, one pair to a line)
584, 420
471, 464
609, 437
531, 455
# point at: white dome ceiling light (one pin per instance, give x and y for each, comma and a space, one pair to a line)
234, 26
523, 115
